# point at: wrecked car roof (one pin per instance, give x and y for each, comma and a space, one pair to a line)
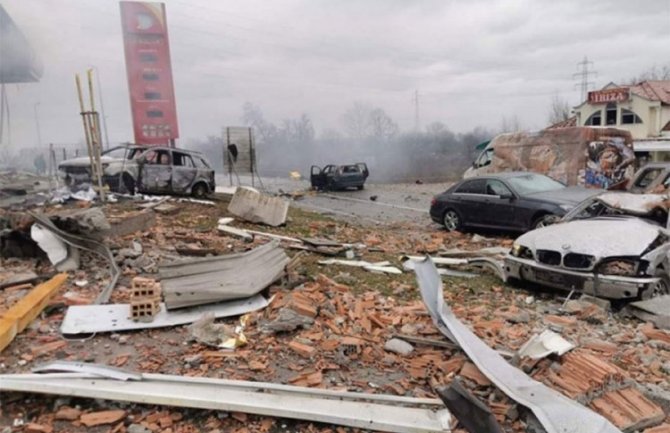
637, 204
599, 237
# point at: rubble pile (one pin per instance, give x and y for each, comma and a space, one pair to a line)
324, 326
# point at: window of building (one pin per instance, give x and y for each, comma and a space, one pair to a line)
148, 57
476, 186
150, 76
610, 114
595, 119
152, 95
629, 118
154, 113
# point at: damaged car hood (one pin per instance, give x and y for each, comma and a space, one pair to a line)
599, 237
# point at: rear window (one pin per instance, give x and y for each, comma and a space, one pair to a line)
350, 169
475, 186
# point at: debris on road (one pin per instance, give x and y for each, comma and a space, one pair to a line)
379, 267
255, 207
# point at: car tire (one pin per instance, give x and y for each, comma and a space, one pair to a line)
659, 289
544, 220
128, 183
452, 220
200, 190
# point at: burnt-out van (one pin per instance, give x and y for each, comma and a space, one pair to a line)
585, 156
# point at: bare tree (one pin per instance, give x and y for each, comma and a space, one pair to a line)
356, 121
559, 110
253, 116
510, 124
382, 127
653, 73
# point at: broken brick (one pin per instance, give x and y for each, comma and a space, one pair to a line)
104, 417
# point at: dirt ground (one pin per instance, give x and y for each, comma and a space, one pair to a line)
351, 304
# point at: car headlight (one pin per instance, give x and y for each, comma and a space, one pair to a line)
567, 207
519, 250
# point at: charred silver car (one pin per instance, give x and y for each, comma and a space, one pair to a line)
614, 245
151, 170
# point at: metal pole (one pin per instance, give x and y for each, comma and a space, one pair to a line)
227, 153
102, 107
37, 125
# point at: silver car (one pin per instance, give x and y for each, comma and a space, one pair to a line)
614, 245
150, 170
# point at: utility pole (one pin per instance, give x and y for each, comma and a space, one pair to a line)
102, 107
417, 121
585, 70
37, 125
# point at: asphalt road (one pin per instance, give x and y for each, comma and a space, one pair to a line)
376, 204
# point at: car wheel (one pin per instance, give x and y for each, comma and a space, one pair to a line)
128, 183
660, 288
545, 220
200, 190
451, 220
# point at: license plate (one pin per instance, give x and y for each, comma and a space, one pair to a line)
555, 278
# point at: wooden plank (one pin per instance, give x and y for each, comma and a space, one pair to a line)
17, 318
7, 332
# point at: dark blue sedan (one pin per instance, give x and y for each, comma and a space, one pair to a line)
517, 201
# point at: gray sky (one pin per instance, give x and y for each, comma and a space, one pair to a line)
472, 61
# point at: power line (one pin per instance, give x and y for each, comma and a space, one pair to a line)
583, 75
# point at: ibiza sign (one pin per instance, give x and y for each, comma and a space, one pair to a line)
620, 94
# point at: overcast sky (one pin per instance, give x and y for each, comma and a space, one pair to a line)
472, 61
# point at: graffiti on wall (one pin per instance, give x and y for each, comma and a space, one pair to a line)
609, 163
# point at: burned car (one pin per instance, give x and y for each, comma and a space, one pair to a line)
614, 245
334, 177
150, 170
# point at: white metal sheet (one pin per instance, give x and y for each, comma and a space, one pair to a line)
87, 319
214, 396
557, 413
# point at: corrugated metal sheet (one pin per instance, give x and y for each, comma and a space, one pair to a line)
207, 280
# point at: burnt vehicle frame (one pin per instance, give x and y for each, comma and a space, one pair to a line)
614, 245
147, 169
338, 177
494, 202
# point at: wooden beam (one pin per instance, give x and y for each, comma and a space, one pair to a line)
18, 317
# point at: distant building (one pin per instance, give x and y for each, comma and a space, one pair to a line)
643, 109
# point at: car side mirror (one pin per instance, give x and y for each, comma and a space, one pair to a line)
507, 196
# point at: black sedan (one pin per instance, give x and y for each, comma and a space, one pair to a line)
517, 201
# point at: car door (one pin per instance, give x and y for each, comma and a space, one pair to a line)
469, 201
350, 176
155, 171
364, 169
184, 172
500, 205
